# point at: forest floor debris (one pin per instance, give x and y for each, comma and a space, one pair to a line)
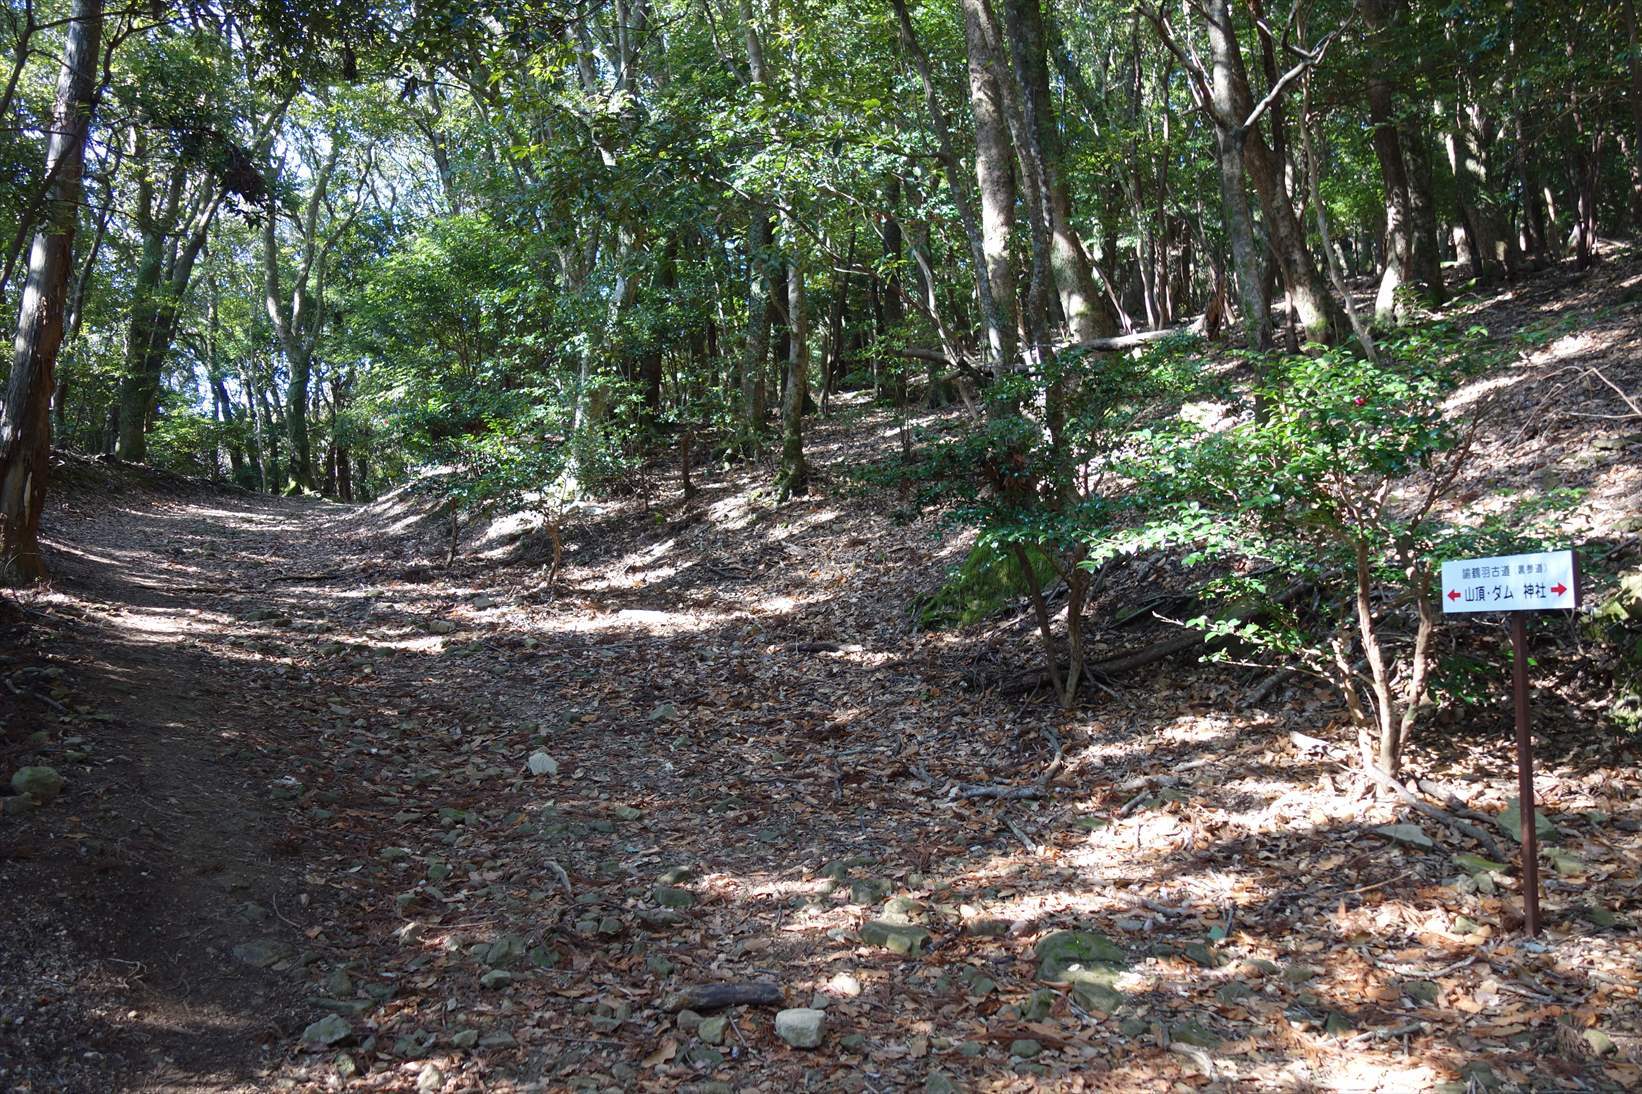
705, 813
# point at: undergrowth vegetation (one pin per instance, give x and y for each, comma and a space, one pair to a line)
1309, 494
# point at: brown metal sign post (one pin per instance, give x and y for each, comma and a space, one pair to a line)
1525, 776
1517, 584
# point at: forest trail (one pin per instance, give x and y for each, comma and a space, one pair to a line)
339, 814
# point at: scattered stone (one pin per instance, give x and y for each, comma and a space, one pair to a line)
987, 928
971, 1048
1411, 834
868, 891
430, 1080
496, 978
1423, 991
262, 952
1193, 1033
1233, 991
541, 763
41, 785
1024, 1048
676, 875
338, 984
465, 1038
16, 805
801, 1027
627, 813
441, 626
939, 1082
688, 1021
712, 1030
1510, 822
671, 896
704, 1057
1065, 950
497, 1038
902, 938
1476, 864
329, 1030
658, 965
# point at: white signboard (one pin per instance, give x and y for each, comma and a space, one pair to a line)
1542, 581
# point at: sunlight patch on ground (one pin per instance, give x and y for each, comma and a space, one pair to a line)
642, 620
735, 512
804, 524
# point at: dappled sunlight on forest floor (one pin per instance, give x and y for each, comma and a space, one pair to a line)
341, 814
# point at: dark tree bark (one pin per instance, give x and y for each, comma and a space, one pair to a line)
1426, 258
1399, 226
25, 419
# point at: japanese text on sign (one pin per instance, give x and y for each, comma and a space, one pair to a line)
1543, 581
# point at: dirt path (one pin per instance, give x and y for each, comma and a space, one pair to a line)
336, 814
162, 876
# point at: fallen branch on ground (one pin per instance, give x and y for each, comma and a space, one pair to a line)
1438, 815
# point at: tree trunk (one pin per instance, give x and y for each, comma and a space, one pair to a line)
1487, 236
1426, 250
994, 176
793, 477
25, 420
1399, 241
757, 348
999, 320
895, 310
1251, 279
1233, 104
1081, 303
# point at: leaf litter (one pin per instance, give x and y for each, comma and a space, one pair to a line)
597, 834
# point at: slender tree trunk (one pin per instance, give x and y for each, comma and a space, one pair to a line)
1251, 278
1399, 227
1481, 217
894, 306
1233, 103
794, 475
999, 320
25, 419
1425, 248
1081, 303
1633, 61
994, 176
